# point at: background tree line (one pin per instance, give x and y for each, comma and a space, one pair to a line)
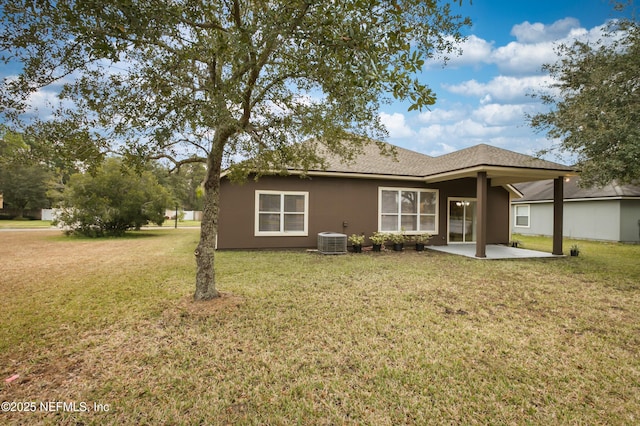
30, 180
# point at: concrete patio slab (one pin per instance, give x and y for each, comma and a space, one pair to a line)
492, 251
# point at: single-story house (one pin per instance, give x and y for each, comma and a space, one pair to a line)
610, 213
461, 197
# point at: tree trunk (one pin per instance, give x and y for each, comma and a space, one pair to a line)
205, 252
20, 214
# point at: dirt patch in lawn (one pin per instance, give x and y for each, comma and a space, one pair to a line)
189, 307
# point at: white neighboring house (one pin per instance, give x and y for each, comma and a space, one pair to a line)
610, 213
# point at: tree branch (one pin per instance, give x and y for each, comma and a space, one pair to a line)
178, 163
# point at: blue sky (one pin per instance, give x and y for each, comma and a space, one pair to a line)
482, 94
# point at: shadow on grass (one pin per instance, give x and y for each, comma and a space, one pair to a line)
129, 235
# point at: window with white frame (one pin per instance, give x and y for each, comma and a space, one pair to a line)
522, 216
409, 209
282, 213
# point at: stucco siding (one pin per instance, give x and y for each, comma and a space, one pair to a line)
592, 220
344, 205
347, 206
540, 220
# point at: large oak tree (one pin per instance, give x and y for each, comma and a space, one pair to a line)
218, 81
595, 108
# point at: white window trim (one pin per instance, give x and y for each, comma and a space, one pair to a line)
395, 188
258, 233
515, 216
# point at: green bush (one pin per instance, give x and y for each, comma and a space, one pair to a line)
112, 201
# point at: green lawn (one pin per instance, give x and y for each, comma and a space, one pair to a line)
374, 338
24, 224
181, 223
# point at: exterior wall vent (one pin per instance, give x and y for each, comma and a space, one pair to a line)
332, 243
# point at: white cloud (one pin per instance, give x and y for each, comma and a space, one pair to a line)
534, 46
442, 131
519, 58
440, 115
501, 115
501, 88
439, 139
474, 50
441, 149
459, 131
396, 125
470, 128
433, 132
42, 103
539, 32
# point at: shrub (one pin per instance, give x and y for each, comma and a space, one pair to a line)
112, 201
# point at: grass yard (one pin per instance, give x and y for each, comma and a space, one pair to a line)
379, 339
24, 224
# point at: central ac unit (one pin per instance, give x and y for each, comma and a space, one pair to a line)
332, 243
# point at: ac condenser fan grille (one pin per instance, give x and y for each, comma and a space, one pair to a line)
332, 243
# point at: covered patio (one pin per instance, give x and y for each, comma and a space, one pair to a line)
492, 166
492, 251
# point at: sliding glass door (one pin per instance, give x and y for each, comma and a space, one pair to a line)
462, 220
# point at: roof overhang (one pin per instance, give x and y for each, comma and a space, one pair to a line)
572, 200
498, 175
335, 174
501, 175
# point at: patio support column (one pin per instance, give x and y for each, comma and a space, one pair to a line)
558, 201
481, 229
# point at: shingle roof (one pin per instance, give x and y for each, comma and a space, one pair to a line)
487, 155
371, 161
411, 163
502, 166
543, 190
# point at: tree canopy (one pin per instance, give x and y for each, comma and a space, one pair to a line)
596, 110
214, 82
24, 181
185, 185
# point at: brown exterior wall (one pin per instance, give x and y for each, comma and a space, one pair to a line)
348, 206
497, 211
498, 215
